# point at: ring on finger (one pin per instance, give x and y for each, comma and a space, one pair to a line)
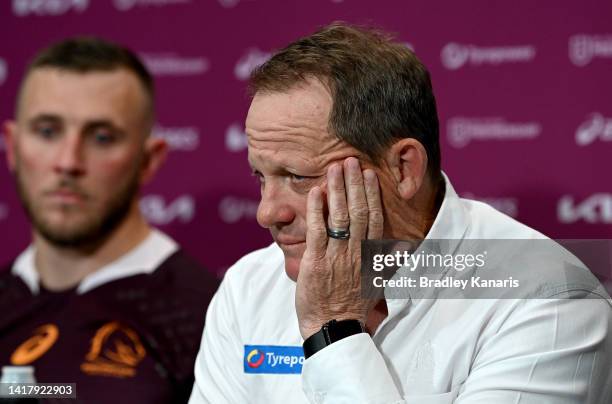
339, 234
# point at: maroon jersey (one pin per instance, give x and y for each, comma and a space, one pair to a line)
131, 340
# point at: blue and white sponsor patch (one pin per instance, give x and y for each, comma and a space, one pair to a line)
273, 359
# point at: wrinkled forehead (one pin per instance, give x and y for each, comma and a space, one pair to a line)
307, 103
291, 128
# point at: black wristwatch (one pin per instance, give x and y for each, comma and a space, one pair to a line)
328, 334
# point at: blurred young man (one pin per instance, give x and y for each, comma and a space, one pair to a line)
99, 298
343, 136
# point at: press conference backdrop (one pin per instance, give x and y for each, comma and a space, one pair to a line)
524, 91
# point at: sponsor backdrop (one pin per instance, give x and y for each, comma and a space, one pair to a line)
523, 90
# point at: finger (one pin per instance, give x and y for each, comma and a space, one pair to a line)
316, 235
338, 218
375, 213
356, 199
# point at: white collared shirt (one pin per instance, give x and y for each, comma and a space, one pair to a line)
143, 259
527, 351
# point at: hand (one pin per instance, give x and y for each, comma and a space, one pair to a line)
329, 280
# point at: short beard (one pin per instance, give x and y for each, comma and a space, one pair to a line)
93, 233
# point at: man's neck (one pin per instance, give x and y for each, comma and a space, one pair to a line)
412, 220
404, 224
62, 268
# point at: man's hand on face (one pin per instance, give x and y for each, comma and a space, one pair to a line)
329, 280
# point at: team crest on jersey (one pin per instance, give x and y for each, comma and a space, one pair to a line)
273, 359
116, 351
36, 346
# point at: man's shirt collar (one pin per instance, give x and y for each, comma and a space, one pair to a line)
143, 259
452, 219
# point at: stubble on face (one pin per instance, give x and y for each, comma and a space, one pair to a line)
92, 227
79, 206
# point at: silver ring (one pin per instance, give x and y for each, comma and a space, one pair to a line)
338, 234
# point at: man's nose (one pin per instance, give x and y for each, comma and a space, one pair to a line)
70, 156
274, 208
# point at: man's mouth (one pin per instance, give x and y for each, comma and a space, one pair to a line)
66, 196
291, 245
289, 241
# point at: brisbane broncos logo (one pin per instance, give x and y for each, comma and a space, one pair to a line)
115, 351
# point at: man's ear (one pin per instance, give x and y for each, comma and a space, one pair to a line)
156, 150
407, 159
10, 134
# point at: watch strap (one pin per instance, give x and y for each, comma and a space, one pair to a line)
329, 333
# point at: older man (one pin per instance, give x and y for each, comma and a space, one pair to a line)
343, 137
99, 298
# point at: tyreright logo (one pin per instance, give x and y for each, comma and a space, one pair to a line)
595, 127
273, 359
582, 48
455, 56
255, 358
595, 209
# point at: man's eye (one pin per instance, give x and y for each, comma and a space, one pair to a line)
46, 132
299, 179
103, 138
